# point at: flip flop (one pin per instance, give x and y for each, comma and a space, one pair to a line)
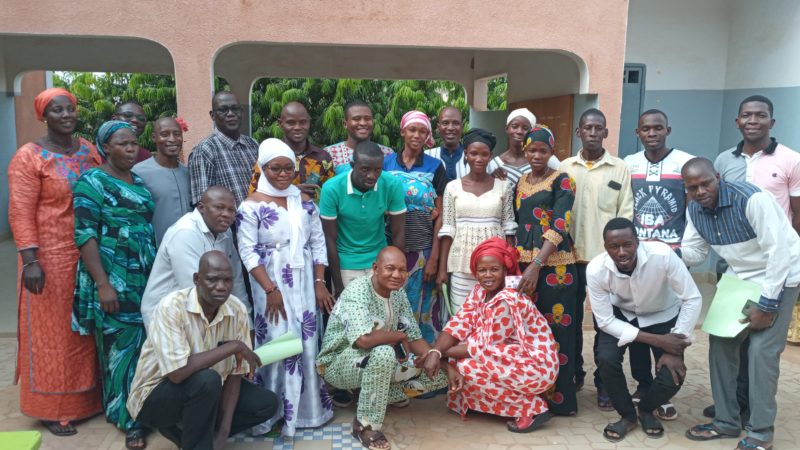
527, 424
667, 412
752, 444
134, 435
714, 433
63, 428
649, 424
620, 427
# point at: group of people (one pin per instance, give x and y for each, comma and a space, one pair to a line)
145, 283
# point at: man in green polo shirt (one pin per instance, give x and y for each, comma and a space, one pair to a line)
353, 207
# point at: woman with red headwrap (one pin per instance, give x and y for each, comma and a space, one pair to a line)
501, 345
56, 368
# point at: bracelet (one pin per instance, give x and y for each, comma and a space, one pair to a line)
270, 291
29, 263
538, 261
435, 350
319, 280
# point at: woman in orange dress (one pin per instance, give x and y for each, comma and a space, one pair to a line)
56, 367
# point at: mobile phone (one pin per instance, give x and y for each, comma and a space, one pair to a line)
751, 305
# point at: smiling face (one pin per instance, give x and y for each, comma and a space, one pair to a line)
450, 127
592, 131
491, 274
295, 123
754, 121
61, 116
121, 149
359, 122
516, 131
414, 136
653, 131
217, 206
279, 172
478, 156
621, 246
390, 269
538, 153
168, 137
134, 115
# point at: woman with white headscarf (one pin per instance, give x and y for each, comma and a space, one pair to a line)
513, 161
282, 246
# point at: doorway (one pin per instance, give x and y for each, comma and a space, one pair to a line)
632, 104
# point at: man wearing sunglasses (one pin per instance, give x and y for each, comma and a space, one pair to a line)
132, 112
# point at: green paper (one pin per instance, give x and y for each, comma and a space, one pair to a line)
21, 440
446, 298
722, 319
279, 348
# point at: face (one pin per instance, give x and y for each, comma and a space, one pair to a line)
754, 121
214, 284
366, 172
621, 246
538, 153
358, 121
295, 126
121, 149
491, 273
592, 131
390, 271
61, 115
516, 131
478, 156
218, 211
414, 136
449, 127
168, 137
702, 186
279, 172
134, 115
653, 131
226, 113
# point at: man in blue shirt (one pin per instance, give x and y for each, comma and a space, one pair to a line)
450, 128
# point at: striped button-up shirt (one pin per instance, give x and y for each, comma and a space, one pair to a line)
180, 329
220, 160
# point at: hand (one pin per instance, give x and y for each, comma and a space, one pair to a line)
758, 319
435, 214
530, 278
243, 352
500, 174
673, 343
430, 363
309, 189
454, 379
675, 365
33, 278
108, 299
275, 307
325, 300
431, 270
442, 278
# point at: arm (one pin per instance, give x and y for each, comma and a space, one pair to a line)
397, 213
770, 224
694, 248
331, 231
682, 284
397, 224
794, 203
320, 259
24, 186
379, 337
201, 170
432, 265
600, 297
227, 405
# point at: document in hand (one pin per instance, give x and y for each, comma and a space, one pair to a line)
725, 311
279, 348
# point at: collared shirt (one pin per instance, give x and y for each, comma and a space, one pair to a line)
659, 289
170, 190
360, 216
314, 166
454, 163
602, 192
179, 330
220, 160
750, 231
342, 155
178, 259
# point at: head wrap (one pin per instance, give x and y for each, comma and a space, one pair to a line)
479, 135
45, 97
540, 133
420, 118
268, 150
498, 248
107, 130
521, 112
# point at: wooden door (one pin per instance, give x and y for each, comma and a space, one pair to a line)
556, 113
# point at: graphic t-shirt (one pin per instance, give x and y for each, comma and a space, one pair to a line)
659, 197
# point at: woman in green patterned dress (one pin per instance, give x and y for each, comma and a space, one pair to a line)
113, 209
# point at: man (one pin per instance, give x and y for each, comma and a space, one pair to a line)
166, 177
603, 191
131, 111
314, 165
352, 207
226, 157
189, 380
659, 210
747, 227
642, 293
450, 128
359, 124
369, 322
193, 235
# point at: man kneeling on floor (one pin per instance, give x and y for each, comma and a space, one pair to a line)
370, 331
189, 381
640, 292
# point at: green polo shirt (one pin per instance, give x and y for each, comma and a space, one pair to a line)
360, 216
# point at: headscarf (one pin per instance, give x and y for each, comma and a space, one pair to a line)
45, 97
268, 150
498, 248
420, 118
479, 135
107, 130
521, 112
540, 133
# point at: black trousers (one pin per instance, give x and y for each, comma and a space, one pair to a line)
186, 413
609, 362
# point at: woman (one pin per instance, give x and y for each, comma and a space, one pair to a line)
55, 367
513, 161
424, 180
476, 207
543, 206
502, 345
282, 246
113, 210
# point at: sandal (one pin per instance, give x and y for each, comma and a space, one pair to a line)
620, 428
528, 424
650, 425
401, 404
753, 444
133, 436
341, 398
62, 428
604, 401
667, 412
709, 433
369, 441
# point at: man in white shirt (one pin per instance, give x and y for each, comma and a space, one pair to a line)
640, 292
202, 230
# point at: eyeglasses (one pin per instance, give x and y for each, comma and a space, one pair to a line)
224, 110
278, 170
129, 115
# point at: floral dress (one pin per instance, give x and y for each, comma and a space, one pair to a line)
544, 213
263, 233
513, 359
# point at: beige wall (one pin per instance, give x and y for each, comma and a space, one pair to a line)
28, 128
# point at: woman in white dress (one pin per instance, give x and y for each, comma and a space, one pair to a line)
282, 246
